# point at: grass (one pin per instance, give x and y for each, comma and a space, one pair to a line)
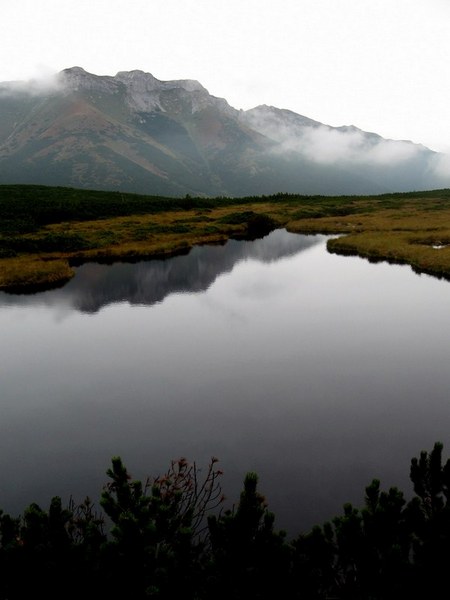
43, 231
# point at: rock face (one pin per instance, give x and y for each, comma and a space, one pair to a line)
133, 132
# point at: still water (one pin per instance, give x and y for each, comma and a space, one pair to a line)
319, 372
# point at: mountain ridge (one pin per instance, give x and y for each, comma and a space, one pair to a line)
133, 132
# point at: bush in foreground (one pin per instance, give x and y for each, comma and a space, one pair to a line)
168, 537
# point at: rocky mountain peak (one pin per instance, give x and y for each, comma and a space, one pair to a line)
75, 71
134, 132
76, 78
146, 93
139, 80
277, 115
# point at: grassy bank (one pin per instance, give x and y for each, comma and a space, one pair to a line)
44, 231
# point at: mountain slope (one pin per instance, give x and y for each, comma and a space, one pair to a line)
135, 133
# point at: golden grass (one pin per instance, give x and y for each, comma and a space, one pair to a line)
420, 239
379, 228
32, 272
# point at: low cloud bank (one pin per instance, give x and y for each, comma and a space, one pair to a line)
41, 85
328, 146
441, 166
346, 146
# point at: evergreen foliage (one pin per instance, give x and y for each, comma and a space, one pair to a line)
167, 538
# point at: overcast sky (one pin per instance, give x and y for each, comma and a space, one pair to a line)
382, 65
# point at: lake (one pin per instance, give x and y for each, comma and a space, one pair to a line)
317, 371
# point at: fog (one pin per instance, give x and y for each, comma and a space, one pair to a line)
346, 145
43, 83
441, 165
326, 145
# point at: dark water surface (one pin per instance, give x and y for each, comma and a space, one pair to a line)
318, 372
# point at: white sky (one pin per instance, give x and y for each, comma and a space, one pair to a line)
382, 65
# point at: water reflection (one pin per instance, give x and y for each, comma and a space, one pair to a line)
317, 371
145, 283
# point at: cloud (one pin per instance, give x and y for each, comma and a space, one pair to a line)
350, 146
395, 164
440, 165
329, 145
45, 81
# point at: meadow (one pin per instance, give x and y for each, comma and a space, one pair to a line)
45, 231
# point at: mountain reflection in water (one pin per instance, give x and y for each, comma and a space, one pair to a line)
144, 283
316, 371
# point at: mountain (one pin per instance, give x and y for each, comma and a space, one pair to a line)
133, 132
